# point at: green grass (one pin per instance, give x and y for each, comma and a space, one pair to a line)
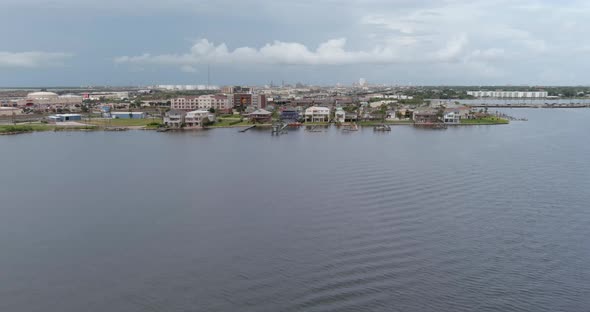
491, 120
122, 122
230, 122
27, 128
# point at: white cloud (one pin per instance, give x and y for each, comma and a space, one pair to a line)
32, 59
331, 52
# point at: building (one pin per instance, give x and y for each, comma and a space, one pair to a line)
339, 115
317, 114
128, 115
185, 87
64, 117
259, 100
174, 119
289, 115
198, 118
106, 95
260, 115
10, 111
509, 94
452, 117
47, 100
426, 117
236, 89
242, 100
218, 102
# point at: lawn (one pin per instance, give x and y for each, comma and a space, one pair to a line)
39, 127
23, 128
230, 122
491, 120
118, 122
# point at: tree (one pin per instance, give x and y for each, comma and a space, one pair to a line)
212, 110
383, 112
206, 122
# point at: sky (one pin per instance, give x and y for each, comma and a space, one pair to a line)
322, 42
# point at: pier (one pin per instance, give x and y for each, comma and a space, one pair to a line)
246, 129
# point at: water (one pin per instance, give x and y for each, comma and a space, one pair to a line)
483, 218
503, 102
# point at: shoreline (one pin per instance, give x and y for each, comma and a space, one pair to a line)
264, 126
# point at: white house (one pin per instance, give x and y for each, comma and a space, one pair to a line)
339, 115
174, 119
195, 119
452, 117
317, 114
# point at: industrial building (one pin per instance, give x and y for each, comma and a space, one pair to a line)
64, 117
46, 100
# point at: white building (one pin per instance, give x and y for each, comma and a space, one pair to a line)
107, 95
186, 87
203, 102
43, 100
195, 119
317, 114
174, 119
509, 94
339, 115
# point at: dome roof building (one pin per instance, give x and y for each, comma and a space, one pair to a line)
42, 95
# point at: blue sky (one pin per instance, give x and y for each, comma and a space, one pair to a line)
89, 42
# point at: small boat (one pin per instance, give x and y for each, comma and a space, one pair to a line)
382, 128
351, 127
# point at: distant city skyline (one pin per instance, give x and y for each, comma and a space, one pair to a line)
318, 42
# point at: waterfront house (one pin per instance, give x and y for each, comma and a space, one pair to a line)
260, 115
339, 115
351, 117
452, 117
289, 115
174, 118
198, 118
426, 117
317, 114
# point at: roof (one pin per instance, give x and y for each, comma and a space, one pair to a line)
261, 112
42, 94
127, 113
67, 115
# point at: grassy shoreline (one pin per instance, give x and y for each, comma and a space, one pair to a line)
150, 124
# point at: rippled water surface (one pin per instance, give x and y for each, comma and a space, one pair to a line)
483, 218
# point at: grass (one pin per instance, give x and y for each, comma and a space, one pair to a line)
25, 128
230, 122
40, 127
491, 120
118, 122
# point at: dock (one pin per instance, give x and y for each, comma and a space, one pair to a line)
246, 129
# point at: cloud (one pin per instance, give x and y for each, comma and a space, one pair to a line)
32, 59
331, 52
453, 49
